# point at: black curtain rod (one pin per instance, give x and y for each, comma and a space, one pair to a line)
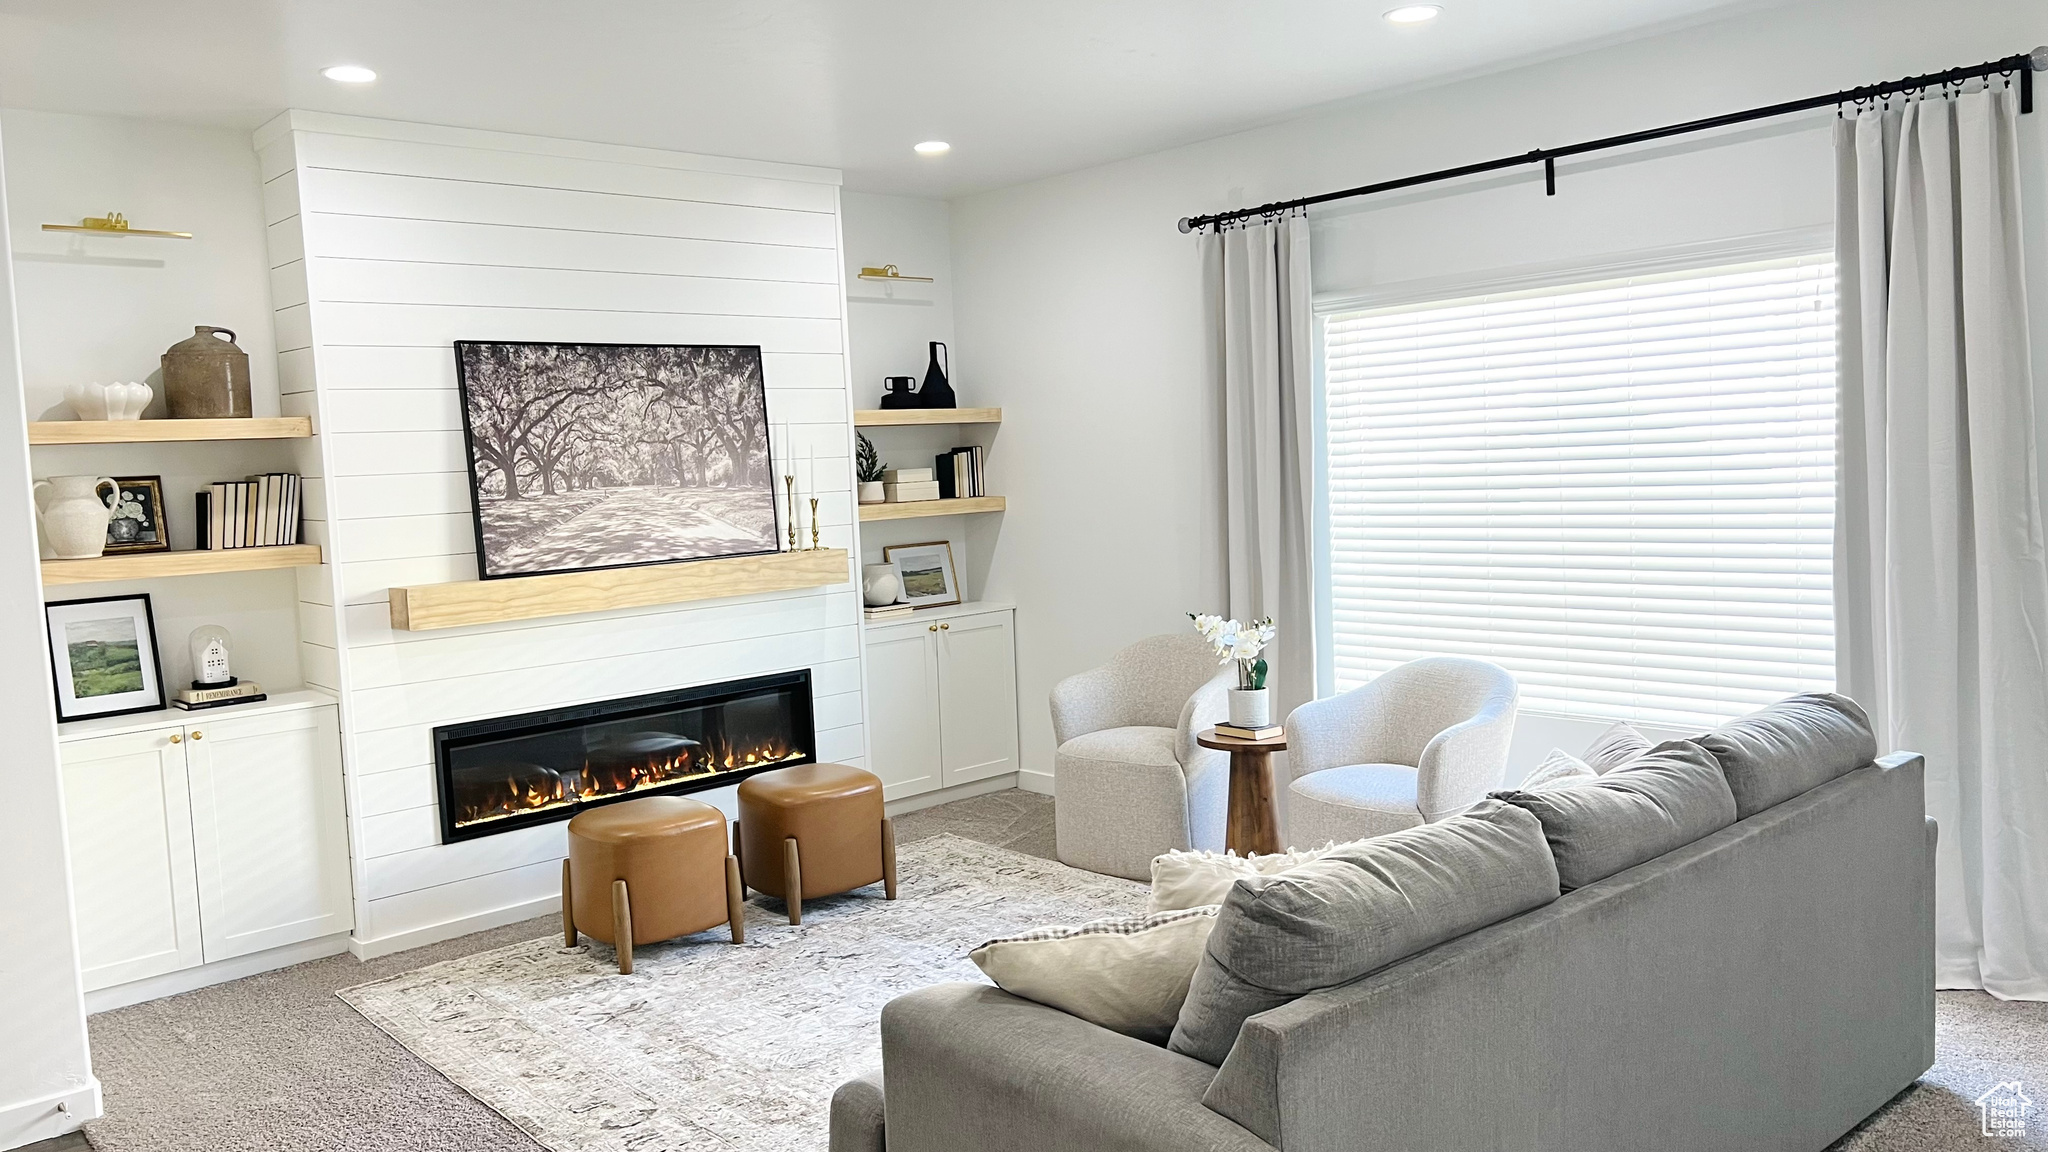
2025, 64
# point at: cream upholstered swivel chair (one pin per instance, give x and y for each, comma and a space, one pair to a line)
1130, 782
1422, 741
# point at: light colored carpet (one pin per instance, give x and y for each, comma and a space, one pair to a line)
711, 1045
277, 1063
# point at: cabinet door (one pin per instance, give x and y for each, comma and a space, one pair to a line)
903, 708
977, 697
132, 885
269, 829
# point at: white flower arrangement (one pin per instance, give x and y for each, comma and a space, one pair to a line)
1238, 642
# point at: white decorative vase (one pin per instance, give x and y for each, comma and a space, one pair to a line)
880, 584
870, 492
74, 515
108, 401
1251, 707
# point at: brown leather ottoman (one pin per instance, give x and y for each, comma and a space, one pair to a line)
813, 830
645, 870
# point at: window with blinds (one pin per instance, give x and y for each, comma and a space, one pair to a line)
1622, 491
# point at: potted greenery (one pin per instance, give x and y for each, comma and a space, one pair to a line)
868, 464
1241, 644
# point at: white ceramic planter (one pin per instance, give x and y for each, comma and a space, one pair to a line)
1251, 707
870, 492
74, 515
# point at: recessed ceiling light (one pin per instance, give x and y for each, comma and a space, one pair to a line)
349, 74
934, 148
1414, 14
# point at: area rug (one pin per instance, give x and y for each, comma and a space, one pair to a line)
710, 1045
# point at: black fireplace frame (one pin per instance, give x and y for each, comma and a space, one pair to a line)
803, 719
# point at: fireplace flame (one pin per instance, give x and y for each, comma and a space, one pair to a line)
527, 788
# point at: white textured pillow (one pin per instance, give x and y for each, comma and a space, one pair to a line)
1615, 747
1558, 770
1192, 879
1127, 974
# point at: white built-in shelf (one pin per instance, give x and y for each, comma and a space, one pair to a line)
912, 509
423, 607
167, 431
151, 565
904, 417
292, 700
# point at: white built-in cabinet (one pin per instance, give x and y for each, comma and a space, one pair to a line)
204, 836
942, 698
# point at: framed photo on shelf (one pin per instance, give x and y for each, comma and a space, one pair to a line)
927, 571
103, 652
138, 521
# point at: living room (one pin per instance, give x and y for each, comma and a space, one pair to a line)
1459, 575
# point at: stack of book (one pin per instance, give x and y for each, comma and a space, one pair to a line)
960, 473
888, 611
1236, 733
901, 485
260, 512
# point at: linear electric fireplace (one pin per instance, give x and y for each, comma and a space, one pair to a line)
516, 771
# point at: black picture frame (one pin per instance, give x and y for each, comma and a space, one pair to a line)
150, 490
491, 567
63, 671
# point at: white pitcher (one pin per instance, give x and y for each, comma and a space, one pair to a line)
74, 515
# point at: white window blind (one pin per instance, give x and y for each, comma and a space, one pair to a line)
1622, 492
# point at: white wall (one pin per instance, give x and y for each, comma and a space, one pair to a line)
1081, 302
43, 1058
389, 242
98, 309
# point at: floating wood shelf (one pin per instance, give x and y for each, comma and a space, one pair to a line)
911, 509
163, 431
424, 607
150, 565
899, 417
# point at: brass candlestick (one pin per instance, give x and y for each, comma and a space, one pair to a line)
814, 523
789, 482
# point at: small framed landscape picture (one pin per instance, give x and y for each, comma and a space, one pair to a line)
138, 521
103, 652
927, 570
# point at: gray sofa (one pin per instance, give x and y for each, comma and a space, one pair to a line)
1764, 987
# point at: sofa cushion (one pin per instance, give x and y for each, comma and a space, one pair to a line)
1364, 906
1664, 799
1134, 745
1127, 974
1793, 746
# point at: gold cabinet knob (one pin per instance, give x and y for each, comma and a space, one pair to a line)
945, 627
198, 735
177, 739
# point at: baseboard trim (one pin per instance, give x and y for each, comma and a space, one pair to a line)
218, 972
48, 1117
1039, 782
937, 796
450, 929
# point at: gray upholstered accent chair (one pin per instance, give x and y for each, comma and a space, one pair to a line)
1421, 742
1130, 782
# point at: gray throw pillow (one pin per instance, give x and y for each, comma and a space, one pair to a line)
1363, 906
1664, 799
1793, 746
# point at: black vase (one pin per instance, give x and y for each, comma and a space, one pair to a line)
899, 394
936, 393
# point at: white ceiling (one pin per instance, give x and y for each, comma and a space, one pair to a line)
1021, 90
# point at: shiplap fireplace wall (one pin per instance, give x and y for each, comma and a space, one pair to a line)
390, 241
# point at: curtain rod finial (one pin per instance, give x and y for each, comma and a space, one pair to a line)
1186, 225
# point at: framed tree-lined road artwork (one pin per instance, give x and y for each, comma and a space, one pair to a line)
587, 456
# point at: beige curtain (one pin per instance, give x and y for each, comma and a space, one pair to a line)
1262, 348
1941, 576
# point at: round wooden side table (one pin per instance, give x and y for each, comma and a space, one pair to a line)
1254, 823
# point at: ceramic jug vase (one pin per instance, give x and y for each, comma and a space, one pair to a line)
74, 515
937, 393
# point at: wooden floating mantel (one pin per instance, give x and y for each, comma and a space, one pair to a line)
423, 607
167, 431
